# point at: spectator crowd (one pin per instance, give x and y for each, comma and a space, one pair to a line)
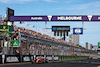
43, 49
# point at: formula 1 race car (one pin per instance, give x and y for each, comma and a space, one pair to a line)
39, 60
89, 57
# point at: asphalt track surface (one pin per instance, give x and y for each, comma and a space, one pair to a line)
57, 64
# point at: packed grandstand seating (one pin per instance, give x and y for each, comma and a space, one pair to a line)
34, 33
44, 50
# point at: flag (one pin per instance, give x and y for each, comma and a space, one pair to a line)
25, 23
33, 25
5, 16
17, 22
28, 24
38, 29
51, 33
47, 32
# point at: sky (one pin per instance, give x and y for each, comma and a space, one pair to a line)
58, 7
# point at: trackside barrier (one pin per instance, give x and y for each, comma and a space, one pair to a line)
28, 58
0, 59
56, 57
24, 58
49, 57
16, 58
12, 58
52, 57
72, 57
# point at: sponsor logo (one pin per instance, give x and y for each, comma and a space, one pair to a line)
69, 18
4, 29
89, 17
12, 59
26, 59
36, 18
63, 28
78, 30
56, 58
49, 58
16, 44
98, 17
54, 28
49, 17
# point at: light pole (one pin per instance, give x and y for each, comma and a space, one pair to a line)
81, 47
9, 24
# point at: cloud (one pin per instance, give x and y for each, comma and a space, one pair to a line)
50, 1
22, 1
86, 5
69, 1
4, 1
15, 1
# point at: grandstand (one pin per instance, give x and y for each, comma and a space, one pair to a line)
39, 44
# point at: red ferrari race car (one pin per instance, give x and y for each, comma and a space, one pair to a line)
89, 57
39, 60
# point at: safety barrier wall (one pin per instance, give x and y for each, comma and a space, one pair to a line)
12, 58
24, 58
28, 58
0, 59
72, 57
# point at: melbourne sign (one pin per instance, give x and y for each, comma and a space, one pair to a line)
56, 18
77, 30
